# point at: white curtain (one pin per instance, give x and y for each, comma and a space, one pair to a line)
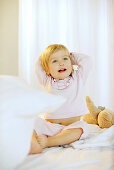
85, 26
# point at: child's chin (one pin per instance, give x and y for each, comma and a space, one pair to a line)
62, 77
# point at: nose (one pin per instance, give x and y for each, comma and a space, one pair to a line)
61, 63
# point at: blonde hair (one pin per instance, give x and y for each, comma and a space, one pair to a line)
51, 49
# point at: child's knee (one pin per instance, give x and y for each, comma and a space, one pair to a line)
77, 132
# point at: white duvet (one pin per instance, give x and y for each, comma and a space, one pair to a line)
19, 106
97, 137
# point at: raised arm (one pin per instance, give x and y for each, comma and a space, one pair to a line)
84, 64
41, 75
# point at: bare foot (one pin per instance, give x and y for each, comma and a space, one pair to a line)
35, 147
42, 140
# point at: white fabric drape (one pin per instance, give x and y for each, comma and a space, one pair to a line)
84, 26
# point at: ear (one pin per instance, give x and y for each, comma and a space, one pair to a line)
94, 111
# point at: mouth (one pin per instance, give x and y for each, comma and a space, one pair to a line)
62, 70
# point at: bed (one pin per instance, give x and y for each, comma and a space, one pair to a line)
58, 158
96, 152
19, 106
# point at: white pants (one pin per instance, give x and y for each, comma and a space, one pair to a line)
43, 127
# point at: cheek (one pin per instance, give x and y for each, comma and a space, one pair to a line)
70, 68
53, 68
70, 65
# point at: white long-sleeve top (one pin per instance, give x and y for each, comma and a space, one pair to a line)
71, 88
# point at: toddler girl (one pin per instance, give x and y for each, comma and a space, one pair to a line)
63, 73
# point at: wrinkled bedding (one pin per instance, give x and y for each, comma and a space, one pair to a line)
95, 152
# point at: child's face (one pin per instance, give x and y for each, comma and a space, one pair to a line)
60, 65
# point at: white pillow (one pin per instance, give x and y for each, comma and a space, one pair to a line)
19, 106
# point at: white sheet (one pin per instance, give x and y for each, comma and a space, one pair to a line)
90, 155
97, 137
69, 159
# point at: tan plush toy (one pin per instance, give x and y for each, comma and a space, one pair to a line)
100, 116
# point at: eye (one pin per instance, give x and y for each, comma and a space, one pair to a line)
65, 58
54, 61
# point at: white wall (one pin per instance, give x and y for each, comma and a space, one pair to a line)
9, 37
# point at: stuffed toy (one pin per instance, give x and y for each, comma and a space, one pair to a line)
99, 116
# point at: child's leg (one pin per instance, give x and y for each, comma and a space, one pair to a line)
64, 137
